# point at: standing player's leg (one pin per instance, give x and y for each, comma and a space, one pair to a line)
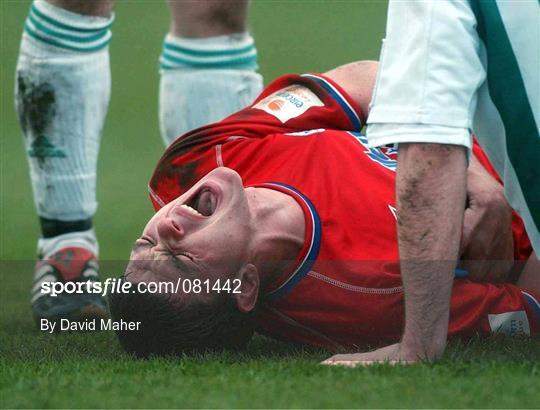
62, 95
208, 65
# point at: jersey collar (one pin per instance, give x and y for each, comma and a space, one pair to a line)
307, 256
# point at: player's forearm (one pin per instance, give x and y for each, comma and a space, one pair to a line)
431, 192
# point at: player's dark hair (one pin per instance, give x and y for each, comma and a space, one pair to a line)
166, 329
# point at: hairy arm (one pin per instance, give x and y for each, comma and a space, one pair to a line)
431, 193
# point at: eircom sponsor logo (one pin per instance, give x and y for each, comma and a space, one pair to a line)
289, 102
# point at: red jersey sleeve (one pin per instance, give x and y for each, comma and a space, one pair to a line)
302, 102
292, 103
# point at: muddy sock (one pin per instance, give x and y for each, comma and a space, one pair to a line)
62, 95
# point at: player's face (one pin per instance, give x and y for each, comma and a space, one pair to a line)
206, 231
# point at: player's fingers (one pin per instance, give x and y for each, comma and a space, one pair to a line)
345, 363
365, 363
338, 358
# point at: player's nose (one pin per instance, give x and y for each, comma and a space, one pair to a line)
170, 229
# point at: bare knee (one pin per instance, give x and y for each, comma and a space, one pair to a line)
206, 18
102, 8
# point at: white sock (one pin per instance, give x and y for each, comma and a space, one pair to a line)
63, 90
204, 80
84, 239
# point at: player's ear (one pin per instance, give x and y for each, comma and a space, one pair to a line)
249, 288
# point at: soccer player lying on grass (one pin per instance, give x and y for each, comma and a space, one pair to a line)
285, 197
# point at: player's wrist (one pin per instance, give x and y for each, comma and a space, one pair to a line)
415, 347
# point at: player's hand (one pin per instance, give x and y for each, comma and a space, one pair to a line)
394, 354
487, 247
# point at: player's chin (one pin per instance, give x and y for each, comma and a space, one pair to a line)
227, 176
229, 181
228, 187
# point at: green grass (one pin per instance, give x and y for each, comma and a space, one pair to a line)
87, 371
90, 370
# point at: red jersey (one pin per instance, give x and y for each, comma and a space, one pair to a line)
302, 137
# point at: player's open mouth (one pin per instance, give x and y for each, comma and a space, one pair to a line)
202, 203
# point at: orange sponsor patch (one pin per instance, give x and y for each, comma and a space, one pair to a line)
275, 105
